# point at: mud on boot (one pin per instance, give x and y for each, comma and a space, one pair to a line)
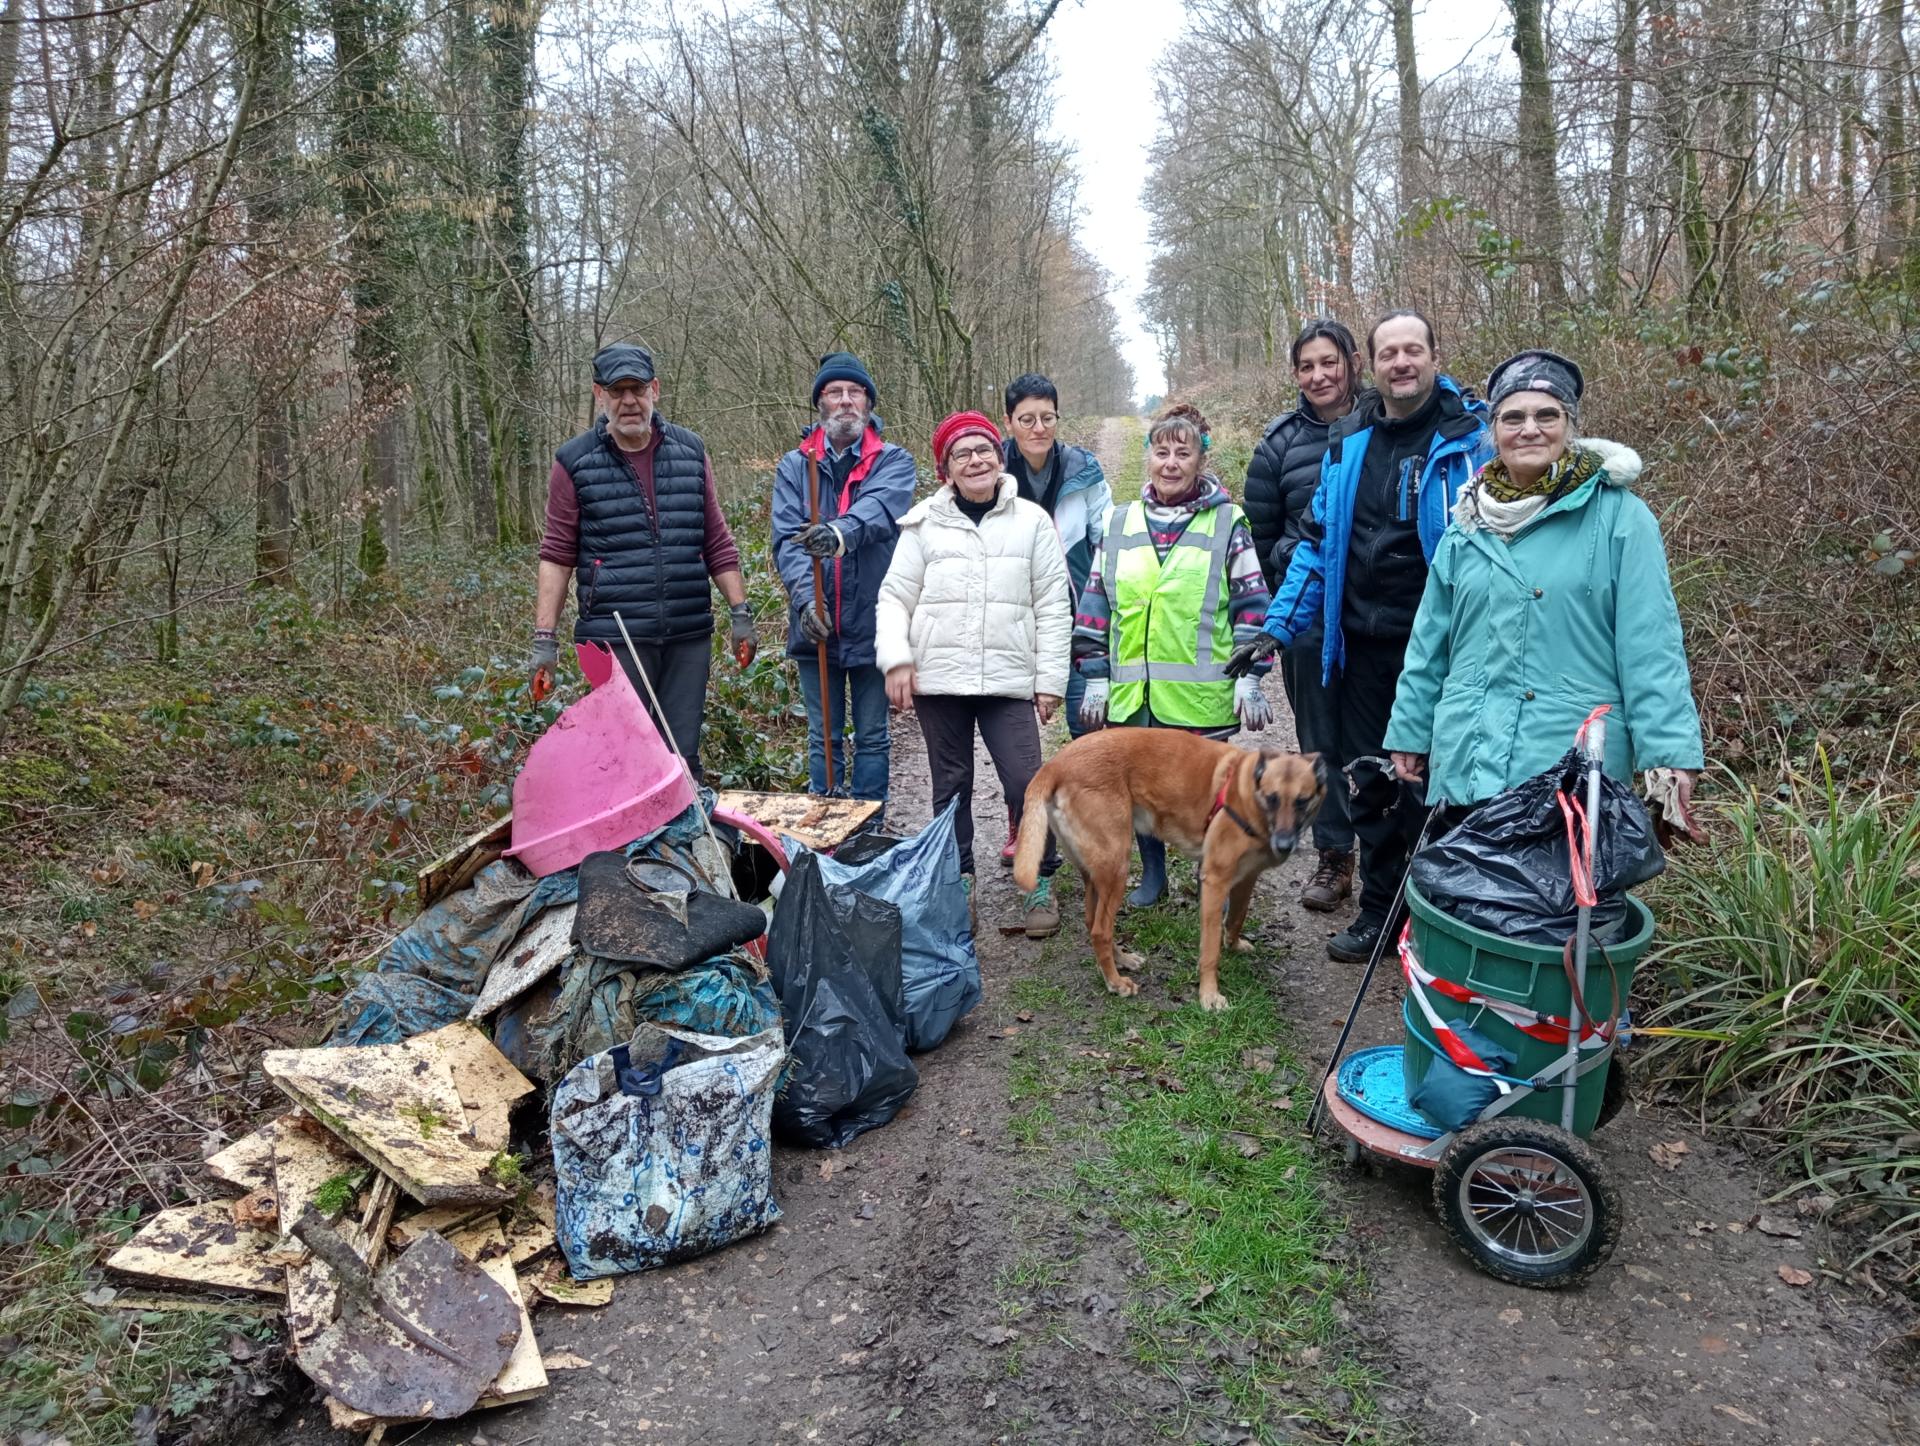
1330, 883
1040, 911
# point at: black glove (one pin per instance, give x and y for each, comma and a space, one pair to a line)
820, 540
1264, 646
815, 627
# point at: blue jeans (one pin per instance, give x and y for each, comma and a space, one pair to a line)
871, 750
1076, 690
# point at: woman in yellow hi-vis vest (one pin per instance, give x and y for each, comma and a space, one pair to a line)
1175, 585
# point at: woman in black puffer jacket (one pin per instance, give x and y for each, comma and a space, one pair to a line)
1281, 480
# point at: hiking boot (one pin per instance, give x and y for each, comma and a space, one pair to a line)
1330, 882
1042, 913
1355, 946
966, 887
1013, 842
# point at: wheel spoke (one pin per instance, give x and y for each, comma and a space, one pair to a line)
1526, 1206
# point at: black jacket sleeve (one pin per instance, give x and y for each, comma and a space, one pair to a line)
1265, 501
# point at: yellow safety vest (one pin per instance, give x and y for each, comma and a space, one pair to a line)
1172, 627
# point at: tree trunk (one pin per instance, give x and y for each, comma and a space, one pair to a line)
1689, 212
510, 49
270, 167
1619, 145
1540, 150
1895, 185
1413, 136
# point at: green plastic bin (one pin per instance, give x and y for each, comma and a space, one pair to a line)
1532, 975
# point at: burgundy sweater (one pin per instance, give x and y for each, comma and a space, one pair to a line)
561, 541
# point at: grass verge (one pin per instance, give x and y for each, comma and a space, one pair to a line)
1195, 1147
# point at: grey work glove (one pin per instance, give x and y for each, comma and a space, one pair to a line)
822, 539
746, 643
1250, 705
813, 626
1093, 703
546, 657
1263, 646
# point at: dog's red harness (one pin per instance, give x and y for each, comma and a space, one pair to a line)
1220, 807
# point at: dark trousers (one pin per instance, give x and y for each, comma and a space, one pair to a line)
679, 673
1316, 724
1385, 813
1010, 729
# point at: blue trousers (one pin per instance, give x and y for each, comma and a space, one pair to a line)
859, 767
1076, 690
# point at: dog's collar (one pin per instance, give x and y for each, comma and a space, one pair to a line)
1220, 807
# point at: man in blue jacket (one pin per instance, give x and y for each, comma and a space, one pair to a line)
866, 487
1394, 466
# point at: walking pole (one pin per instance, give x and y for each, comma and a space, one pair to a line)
1395, 916
827, 700
667, 728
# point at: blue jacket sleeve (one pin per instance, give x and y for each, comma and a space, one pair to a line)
1656, 688
789, 517
880, 501
1302, 592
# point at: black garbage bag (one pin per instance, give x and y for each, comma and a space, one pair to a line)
835, 958
1506, 867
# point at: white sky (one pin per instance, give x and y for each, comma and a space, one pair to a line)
1105, 51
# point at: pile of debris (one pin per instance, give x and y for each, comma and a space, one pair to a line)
384, 1218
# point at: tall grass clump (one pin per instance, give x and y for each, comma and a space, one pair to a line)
1797, 955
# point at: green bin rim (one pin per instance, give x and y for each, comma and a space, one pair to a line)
1622, 950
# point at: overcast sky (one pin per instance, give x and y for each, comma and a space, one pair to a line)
1105, 51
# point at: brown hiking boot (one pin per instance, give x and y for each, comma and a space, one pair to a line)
1042, 913
1331, 882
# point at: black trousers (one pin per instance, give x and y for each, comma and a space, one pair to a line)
1011, 731
679, 673
1386, 814
1316, 724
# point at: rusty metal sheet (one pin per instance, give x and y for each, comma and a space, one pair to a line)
524, 1375
247, 1162
425, 1338
819, 823
398, 1107
543, 946
484, 1078
200, 1245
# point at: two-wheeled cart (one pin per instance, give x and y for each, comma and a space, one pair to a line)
1519, 1187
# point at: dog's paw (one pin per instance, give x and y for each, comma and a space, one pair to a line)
1123, 987
1130, 963
1214, 1003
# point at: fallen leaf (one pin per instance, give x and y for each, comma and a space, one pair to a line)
1745, 1418
1778, 1225
88, 929
1793, 1275
1009, 1032
202, 873
100, 1297
565, 1361
144, 909
1025, 1016
1168, 1083
1702, 1227
1202, 1293
1736, 1227
1245, 1144
1258, 1060
1511, 1316
1285, 1102
997, 1335
827, 1166
1669, 1154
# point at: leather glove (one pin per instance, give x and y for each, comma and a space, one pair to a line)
745, 642
814, 627
546, 656
1250, 705
1263, 646
822, 539
1093, 704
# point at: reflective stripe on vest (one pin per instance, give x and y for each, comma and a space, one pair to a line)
1170, 637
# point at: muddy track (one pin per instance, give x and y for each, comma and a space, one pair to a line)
935, 1283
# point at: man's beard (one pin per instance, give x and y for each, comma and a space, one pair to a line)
841, 429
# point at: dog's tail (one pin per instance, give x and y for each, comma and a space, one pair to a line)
1034, 823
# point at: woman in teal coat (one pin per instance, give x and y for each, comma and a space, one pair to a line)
1547, 597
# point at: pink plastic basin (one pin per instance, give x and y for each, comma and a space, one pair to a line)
599, 778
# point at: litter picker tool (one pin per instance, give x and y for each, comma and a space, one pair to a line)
827, 699
1396, 916
667, 728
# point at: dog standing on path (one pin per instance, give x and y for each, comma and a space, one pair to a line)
1236, 810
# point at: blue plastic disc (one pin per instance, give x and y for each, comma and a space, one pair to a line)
1374, 1082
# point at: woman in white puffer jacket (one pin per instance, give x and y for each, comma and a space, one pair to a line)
973, 630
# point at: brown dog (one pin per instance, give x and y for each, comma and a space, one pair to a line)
1236, 810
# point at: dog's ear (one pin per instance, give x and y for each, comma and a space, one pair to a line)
1260, 768
1319, 770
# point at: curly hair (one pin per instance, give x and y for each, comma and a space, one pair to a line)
1182, 420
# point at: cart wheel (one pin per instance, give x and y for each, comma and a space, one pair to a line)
1616, 1092
1530, 1203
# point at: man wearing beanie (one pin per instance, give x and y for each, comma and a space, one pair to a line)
634, 522
865, 487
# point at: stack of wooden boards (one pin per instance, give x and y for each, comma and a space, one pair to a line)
385, 1145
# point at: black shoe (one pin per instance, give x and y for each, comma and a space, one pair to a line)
1355, 946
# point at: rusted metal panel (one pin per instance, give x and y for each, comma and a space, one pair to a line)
819, 823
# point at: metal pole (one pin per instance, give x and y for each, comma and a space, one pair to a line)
667, 728
1594, 749
827, 697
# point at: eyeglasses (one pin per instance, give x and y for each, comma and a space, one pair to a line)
1544, 419
839, 396
971, 454
1037, 423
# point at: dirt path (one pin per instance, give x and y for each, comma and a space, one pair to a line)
934, 1282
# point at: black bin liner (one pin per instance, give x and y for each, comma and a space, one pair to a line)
1506, 867
835, 959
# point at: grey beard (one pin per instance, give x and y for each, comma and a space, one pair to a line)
842, 431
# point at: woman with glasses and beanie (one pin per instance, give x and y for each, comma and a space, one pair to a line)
973, 631
1547, 597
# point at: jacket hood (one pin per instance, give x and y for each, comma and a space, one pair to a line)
1621, 463
940, 506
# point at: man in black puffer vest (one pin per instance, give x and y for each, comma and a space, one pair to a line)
633, 519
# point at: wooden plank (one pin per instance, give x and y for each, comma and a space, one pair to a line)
398, 1107
523, 1376
541, 949
455, 868
159, 1300
485, 1079
247, 1162
305, 1157
819, 823
200, 1245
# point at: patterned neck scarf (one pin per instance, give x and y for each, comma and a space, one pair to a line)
1575, 466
